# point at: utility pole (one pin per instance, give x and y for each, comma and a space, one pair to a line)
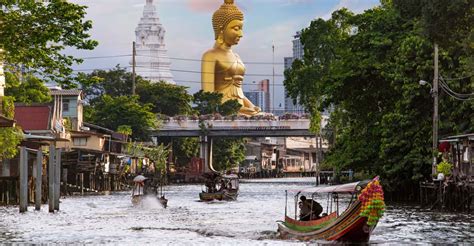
435, 108
273, 79
134, 53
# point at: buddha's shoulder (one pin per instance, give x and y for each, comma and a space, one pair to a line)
211, 53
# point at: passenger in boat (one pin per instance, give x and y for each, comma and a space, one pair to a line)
316, 209
211, 186
222, 185
305, 209
310, 209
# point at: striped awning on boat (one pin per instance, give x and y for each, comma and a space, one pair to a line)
344, 188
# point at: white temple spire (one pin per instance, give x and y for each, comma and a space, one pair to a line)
152, 61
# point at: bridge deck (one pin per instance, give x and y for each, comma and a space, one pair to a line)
235, 128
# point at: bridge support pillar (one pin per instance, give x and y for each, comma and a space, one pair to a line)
205, 152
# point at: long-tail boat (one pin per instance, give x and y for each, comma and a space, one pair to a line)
228, 189
355, 224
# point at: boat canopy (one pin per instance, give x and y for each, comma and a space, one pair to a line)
344, 188
230, 176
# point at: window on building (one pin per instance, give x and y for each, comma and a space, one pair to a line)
79, 141
65, 105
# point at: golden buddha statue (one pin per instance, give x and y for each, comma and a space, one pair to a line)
222, 69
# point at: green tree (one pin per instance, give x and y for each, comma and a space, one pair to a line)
184, 149
207, 102
114, 82
167, 99
366, 67
10, 137
114, 112
31, 90
158, 155
211, 103
35, 34
227, 152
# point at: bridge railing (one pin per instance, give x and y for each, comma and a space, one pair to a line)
236, 124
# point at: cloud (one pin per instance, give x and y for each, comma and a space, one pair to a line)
356, 6
207, 6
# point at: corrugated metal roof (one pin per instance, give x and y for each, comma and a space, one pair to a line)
35, 117
71, 92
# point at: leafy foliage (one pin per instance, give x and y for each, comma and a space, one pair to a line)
158, 155
167, 99
114, 82
114, 112
10, 138
34, 34
445, 168
211, 103
7, 106
31, 90
365, 67
228, 153
164, 98
125, 129
184, 149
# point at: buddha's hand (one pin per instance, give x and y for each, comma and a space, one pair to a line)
257, 109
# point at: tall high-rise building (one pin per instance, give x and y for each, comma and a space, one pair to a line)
261, 96
298, 52
152, 61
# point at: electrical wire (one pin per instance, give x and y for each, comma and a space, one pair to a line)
180, 59
178, 70
448, 91
468, 76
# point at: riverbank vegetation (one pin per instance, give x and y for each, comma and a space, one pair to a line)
364, 68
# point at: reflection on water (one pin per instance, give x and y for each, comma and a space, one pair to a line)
249, 220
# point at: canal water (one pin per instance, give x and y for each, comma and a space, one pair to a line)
111, 219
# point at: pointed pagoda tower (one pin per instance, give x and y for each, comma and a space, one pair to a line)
152, 61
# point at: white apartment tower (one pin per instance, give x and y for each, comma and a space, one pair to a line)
152, 61
298, 53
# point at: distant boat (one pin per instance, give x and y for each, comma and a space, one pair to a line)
355, 224
143, 188
227, 190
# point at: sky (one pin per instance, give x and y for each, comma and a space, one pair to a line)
189, 34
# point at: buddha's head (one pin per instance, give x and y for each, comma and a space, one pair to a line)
227, 22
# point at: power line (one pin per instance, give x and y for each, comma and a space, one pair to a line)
468, 76
102, 57
199, 82
451, 93
178, 70
180, 59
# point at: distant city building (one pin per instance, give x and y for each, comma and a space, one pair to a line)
152, 61
261, 96
298, 53
298, 49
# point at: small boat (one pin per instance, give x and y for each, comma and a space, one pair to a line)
228, 189
143, 186
355, 224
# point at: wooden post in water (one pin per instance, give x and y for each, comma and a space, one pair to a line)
57, 178
64, 180
51, 178
81, 178
39, 177
23, 180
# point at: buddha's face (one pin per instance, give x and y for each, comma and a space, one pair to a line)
233, 32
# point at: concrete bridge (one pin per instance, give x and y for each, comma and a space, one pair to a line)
209, 129
234, 128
